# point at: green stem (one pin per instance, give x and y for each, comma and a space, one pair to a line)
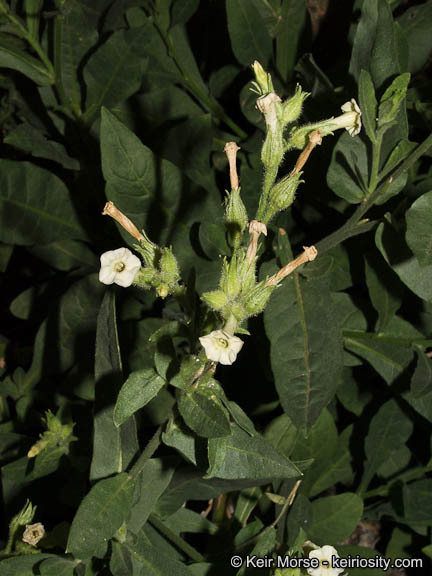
147, 453
210, 103
175, 539
30, 39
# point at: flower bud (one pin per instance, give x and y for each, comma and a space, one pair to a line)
162, 291
263, 80
273, 147
236, 217
282, 194
257, 298
238, 311
292, 108
145, 277
230, 280
169, 267
392, 99
215, 299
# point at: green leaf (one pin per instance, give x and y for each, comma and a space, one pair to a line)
100, 515
152, 482
114, 72
183, 10
289, 28
32, 9
150, 191
113, 447
248, 34
417, 503
348, 174
338, 468
419, 232
152, 562
389, 429
385, 289
121, 561
397, 254
35, 206
12, 56
334, 518
75, 36
368, 104
242, 456
374, 46
421, 381
30, 139
282, 434
57, 567
204, 413
306, 348
352, 394
136, 392
22, 565
67, 255
213, 241
188, 521
416, 23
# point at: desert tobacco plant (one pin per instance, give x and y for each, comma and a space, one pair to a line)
229, 369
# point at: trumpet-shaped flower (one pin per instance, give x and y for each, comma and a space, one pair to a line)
119, 267
221, 347
324, 555
351, 119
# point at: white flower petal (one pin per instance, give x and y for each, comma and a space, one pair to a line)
324, 553
221, 347
107, 275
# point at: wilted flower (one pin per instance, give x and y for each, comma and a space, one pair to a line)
221, 347
324, 555
119, 267
33, 533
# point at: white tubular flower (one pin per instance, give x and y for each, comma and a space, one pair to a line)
267, 105
221, 347
324, 555
350, 120
119, 267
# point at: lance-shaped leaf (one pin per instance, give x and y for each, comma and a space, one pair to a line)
35, 206
204, 413
100, 515
306, 347
419, 232
389, 429
241, 456
152, 562
13, 56
113, 447
136, 392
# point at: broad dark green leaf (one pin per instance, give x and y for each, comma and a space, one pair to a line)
113, 447
374, 46
242, 456
389, 429
179, 437
338, 467
22, 565
136, 392
58, 567
385, 289
334, 518
35, 206
121, 561
396, 252
100, 515
282, 434
30, 139
417, 503
368, 104
419, 230
204, 413
14, 57
249, 38
151, 483
306, 347
114, 72
416, 23
67, 255
152, 562
213, 240
421, 381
